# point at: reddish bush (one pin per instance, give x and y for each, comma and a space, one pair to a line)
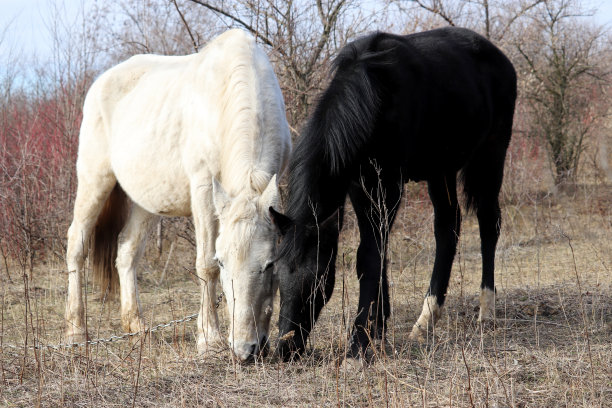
38, 144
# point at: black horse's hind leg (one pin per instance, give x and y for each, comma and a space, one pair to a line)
489, 222
447, 224
482, 180
375, 201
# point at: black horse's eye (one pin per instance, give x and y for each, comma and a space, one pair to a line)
268, 267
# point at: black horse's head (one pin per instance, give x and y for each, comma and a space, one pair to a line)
305, 267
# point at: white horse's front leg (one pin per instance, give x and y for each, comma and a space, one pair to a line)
75, 311
209, 337
206, 229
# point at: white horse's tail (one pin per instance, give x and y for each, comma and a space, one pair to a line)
104, 240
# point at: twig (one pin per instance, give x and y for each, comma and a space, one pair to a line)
193, 41
584, 318
142, 341
6, 268
467, 368
237, 20
163, 274
2, 339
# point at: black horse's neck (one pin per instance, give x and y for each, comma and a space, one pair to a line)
336, 135
315, 192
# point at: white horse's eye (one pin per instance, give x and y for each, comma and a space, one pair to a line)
218, 262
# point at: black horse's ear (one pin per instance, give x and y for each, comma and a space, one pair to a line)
280, 221
334, 221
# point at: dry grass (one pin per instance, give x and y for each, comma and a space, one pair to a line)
550, 346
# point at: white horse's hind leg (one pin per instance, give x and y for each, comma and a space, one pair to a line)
206, 227
130, 247
92, 192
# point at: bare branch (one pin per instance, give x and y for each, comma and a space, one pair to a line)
237, 20
436, 8
522, 12
193, 41
329, 23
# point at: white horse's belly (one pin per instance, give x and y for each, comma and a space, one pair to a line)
167, 197
157, 184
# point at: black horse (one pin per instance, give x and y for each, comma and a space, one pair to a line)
426, 106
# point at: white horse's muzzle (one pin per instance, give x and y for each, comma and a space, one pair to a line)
246, 352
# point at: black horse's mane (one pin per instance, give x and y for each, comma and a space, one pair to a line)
334, 139
336, 133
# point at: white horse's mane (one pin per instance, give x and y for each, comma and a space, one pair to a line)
242, 108
243, 103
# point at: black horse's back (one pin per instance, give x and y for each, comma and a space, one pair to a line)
430, 106
442, 92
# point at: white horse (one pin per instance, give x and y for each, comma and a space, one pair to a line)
160, 131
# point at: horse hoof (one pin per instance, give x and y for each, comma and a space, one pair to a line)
133, 325
208, 347
288, 350
487, 305
486, 316
352, 364
382, 348
138, 326
417, 334
76, 337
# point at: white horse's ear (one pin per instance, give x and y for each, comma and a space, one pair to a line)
269, 197
220, 198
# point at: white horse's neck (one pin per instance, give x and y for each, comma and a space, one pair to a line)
250, 109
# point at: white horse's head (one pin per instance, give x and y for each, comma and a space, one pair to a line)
244, 250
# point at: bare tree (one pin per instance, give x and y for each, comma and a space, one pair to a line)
165, 27
559, 59
40, 117
563, 74
301, 37
492, 18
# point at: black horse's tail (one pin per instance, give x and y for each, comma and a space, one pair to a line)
482, 176
346, 112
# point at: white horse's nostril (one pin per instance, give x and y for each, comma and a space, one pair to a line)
246, 352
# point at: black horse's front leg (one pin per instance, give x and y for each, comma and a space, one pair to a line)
375, 204
305, 291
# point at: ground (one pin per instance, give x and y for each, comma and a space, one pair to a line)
551, 344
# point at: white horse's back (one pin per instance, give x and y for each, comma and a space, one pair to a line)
162, 129
161, 119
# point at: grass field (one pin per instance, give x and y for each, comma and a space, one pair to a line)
551, 345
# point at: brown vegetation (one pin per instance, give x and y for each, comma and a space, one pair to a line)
551, 343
